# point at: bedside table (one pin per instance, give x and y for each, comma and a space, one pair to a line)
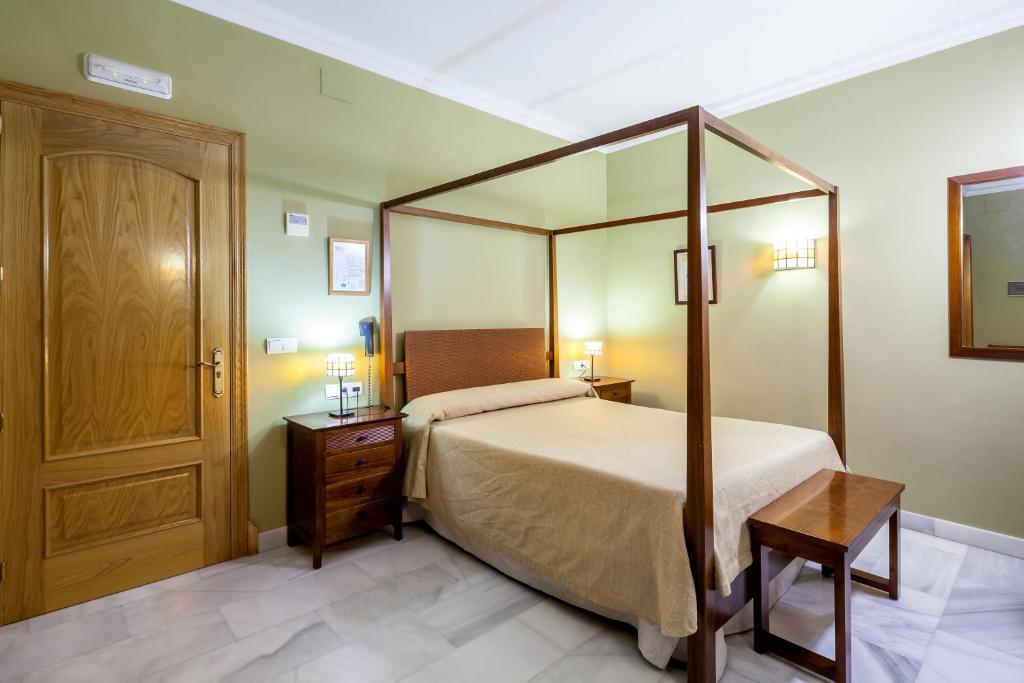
615, 389
344, 476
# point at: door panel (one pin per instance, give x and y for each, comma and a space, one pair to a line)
92, 513
116, 453
121, 330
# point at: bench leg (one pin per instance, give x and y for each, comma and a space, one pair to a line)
843, 632
761, 606
894, 555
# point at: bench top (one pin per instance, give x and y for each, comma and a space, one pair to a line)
832, 507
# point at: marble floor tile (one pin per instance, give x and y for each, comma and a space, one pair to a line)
423, 609
134, 658
265, 655
381, 656
33, 650
805, 616
945, 544
954, 660
609, 656
510, 653
987, 616
358, 614
923, 567
128, 597
746, 666
308, 593
479, 608
566, 625
994, 570
871, 663
248, 577
168, 607
400, 558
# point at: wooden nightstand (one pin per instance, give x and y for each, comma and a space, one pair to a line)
344, 476
615, 389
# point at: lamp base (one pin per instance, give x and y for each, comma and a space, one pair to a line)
588, 379
348, 414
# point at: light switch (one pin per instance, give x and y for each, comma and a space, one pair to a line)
282, 345
332, 391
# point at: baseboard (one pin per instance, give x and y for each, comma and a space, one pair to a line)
952, 531
961, 533
272, 538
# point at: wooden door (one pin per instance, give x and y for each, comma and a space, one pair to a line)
116, 440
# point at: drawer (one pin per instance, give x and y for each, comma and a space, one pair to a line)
348, 522
620, 394
358, 438
354, 492
341, 466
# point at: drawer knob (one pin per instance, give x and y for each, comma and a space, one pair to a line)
360, 488
361, 514
362, 437
361, 461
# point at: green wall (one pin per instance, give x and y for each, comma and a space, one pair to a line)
335, 160
951, 429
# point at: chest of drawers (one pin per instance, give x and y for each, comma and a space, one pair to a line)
344, 476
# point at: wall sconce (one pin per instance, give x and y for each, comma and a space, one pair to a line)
793, 254
592, 348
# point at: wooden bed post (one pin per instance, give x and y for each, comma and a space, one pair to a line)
698, 515
387, 342
836, 392
553, 370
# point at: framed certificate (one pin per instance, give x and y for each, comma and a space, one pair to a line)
348, 266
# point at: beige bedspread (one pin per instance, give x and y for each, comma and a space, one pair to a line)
590, 493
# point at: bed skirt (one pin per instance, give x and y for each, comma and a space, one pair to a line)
656, 648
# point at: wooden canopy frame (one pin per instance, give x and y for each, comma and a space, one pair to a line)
712, 608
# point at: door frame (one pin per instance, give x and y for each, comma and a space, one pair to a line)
243, 536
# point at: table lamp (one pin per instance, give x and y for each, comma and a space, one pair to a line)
592, 348
341, 365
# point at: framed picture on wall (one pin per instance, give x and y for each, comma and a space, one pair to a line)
348, 266
681, 280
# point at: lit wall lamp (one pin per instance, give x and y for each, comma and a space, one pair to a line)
592, 348
341, 365
793, 254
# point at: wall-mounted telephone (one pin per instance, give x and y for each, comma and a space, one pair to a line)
366, 330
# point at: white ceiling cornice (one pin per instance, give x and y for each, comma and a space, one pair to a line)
272, 22
963, 31
277, 24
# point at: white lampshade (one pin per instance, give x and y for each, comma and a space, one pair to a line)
592, 348
793, 254
341, 364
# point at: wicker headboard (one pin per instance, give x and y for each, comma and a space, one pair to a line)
443, 360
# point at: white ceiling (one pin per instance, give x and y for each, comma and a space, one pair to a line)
576, 68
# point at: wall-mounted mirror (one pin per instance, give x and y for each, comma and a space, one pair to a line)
986, 264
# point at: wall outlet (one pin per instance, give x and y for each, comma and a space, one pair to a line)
354, 388
332, 391
580, 365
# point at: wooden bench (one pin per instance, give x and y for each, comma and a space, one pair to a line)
828, 519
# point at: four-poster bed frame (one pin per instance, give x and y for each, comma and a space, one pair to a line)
713, 609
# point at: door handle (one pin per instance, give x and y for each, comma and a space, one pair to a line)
218, 371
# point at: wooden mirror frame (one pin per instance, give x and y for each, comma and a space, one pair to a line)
957, 347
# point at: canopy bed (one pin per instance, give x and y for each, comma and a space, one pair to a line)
720, 586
